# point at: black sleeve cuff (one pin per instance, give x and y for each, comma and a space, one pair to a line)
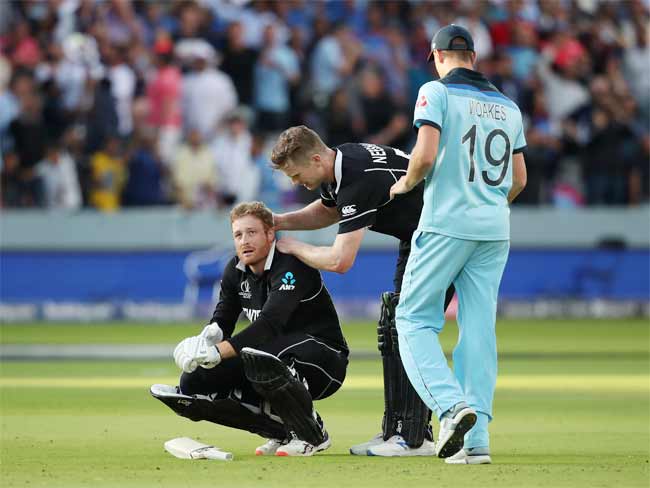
425, 122
519, 150
256, 334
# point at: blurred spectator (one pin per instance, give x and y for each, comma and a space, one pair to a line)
543, 150
73, 65
9, 106
164, 100
523, 50
504, 79
122, 81
239, 62
109, 175
29, 136
270, 190
602, 134
561, 67
397, 71
276, 70
101, 119
23, 49
208, 94
333, 61
384, 122
255, 18
58, 174
636, 66
194, 173
145, 184
471, 20
232, 149
343, 122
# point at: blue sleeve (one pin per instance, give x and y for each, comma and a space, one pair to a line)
431, 107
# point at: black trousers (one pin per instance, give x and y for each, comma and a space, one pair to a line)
320, 365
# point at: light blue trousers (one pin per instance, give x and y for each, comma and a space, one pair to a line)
475, 268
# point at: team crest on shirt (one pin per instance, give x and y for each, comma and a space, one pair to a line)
288, 282
422, 102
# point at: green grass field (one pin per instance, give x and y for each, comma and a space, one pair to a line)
571, 410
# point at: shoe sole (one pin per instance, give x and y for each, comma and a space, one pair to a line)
404, 454
262, 453
457, 440
363, 451
482, 459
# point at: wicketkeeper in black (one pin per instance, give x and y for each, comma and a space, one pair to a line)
264, 378
354, 182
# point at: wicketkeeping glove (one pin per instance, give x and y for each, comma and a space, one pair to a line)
196, 351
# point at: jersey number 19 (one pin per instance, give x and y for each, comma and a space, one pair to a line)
471, 137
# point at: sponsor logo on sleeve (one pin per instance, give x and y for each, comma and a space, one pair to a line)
288, 282
422, 101
349, 210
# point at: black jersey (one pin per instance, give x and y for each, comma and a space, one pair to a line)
363, 176
287, 297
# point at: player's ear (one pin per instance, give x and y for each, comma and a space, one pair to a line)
270, 234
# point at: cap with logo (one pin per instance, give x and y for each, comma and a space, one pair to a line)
452, 37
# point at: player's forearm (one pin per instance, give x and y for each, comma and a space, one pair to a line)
313, 216
515, 190
320, 257
417, 170
519, 176
226, 350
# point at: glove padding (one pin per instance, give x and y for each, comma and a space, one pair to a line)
212, 333
196, 351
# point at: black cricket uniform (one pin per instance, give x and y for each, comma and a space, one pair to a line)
364, 174
292, 316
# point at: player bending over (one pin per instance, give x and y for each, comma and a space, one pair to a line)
264, 378
355, 180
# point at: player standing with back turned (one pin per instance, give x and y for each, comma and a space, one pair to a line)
469, 149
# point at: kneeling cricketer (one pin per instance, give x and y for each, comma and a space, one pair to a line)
264, 378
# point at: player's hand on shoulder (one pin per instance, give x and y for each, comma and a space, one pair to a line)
286, 245
196, 351
278, 222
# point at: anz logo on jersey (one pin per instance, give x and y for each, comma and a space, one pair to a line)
288, 282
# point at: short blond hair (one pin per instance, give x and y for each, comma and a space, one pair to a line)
255, 209
296, 145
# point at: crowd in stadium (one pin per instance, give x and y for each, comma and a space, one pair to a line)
112, 104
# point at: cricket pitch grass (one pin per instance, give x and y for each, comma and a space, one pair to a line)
571, 410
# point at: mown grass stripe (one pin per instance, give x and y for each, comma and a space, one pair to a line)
636, 383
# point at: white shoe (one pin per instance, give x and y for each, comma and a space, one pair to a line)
362, 449
397, 446
463, 457
296, 447
452, 431
269, 447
